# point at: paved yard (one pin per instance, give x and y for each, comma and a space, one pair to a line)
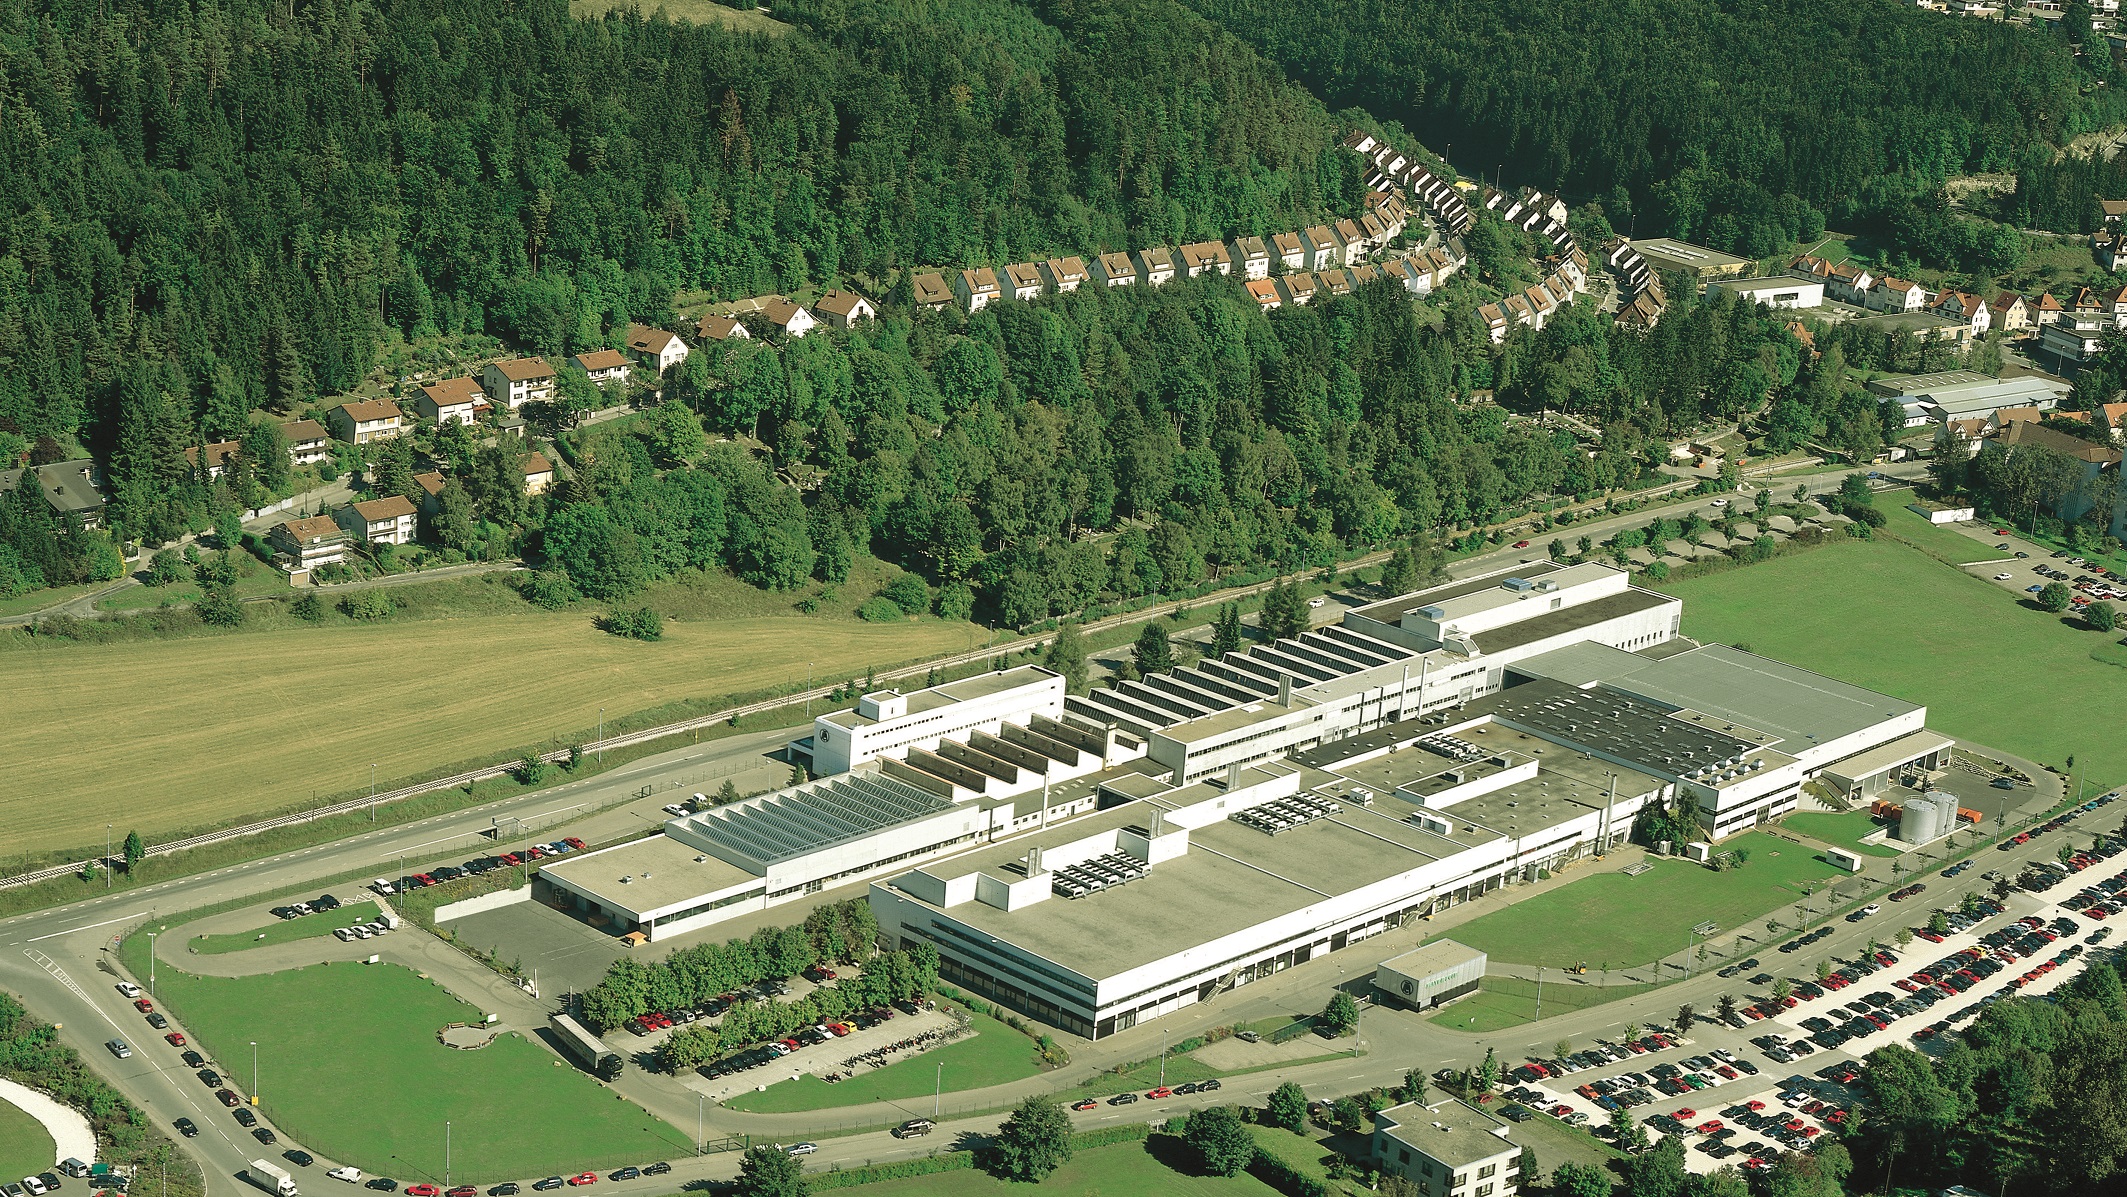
570, 956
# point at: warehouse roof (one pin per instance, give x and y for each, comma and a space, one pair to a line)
1800, 707
1571, 619
648, 875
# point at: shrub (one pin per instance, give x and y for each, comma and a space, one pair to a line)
367, 605
880, 609
550, 589
307, 608
955, 602
531, 770
908, 593
165, 567
218, 607
1284, 1177
642, 623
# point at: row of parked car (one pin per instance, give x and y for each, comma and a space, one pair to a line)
1800, 942
508, 1188
1595, 1057
476, 866
1161, 1093
317, 905
764, 1054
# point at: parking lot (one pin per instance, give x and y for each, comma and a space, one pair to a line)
1782, 1074
870, 1047
2026, 567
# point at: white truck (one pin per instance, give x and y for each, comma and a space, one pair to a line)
273, 1180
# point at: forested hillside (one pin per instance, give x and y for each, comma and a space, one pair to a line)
1742, 123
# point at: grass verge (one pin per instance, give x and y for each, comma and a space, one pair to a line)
994, 1055
1502, 1002
1158, 1167
1843, 829
26, 1147
309, 926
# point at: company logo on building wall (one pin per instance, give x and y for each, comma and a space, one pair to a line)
1407, 987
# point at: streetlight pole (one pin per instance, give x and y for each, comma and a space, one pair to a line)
938, 1094
151, 964
446, 1153
107, 856
601, 735
372, 792
254, 1070
808, 692
1539, 993
700, 1100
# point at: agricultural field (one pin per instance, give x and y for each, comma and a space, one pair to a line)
1884, 615
1619, 921
349, 1065
299, 710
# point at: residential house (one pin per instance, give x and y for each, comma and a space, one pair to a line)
1897, 295
713, 327
307, 440
1415, 279
1519, 312
1449, 1148
2045, 309
1023, 280
70, 487
930, 292
1064, 274
1289, 248
2110, 247
2075, 335
301, 545
1206, 257
2113, 414
452, 401
2094, 459
2085, 300
1157, 261
655, 348
608, 365
792, 319
1966, 307
366, 420
518, 381
1298, 289
2005, 416
1495, 321
2112, 210
1541, 303
2009, 313
1265, 292
1336, 282
1323, 248
2115, 303
845, 308
389, 520
1364, 273
1810, 266
218, 455
1644, 311
538, 474
1393, 214
977, 288
431, 484
1253, 256
1356, 244
1115, 269
1849, 283
1376, 233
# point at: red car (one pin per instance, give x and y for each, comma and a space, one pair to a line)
1755, 1104
1087, 1104
464, 1191
1709, 1126
1560, 1111
175, 1038
1521, 544
423, 1191
228, 1098
573, 842
2001, 532
1685, 1115
143, 1005
1162, 1091
584, 1178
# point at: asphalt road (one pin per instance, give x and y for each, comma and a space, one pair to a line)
60, 961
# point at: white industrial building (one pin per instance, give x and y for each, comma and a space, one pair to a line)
1779, 291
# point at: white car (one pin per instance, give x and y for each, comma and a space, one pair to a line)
127, 989
1720, 502
676, 810
34, 1186
342, 934
362, 932
1872, 908
1315, 602
352, 1176
802, 1148
2003, 577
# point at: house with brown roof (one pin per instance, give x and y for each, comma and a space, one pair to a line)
1356, 244
1407, 271
930, 291
1889, 294
2008, 313
301, 545
1116, 269
1299, 288
518, 381
655, 348
389, 520
1156, 263
307, 440
2094, 459
1064, 274
1265, 293
1393, 215
431, 484
1023, 280
1206, 257
1323, 248
1966, 307
1376, 233
790, 318
1289, 248
2045, 309
366, 420
1253, 257
604, 365
2112, 210
844, 309
538, 474
452, 401
2110, 246
1364, 273
1336, 282
977, 288
2085, 300
218, 455
713, 327
1495, 321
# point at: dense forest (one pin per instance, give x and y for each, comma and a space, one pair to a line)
1744, 125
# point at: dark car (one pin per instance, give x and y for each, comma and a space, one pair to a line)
628, 1173
507, 1188
264, 1136
383, 1184
551, 1182
193, 1059
1122, 1099
210, 1078
156, 1020
657, 1169
244, 1117
298, 1157
186, 1128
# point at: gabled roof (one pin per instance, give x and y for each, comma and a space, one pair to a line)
605, 359
218, 453
390, 507
297, 432
1157, 257
364, 411
2046, 302
781, 312
2049, 438
930, 289
1250, 248
454, 392
644, 339
1067, 270
432, 482
841, 303
1265, 291
979, 280
524, 369
1117, 264
1023, 275
713, 327
1286, 243
537, 464
311, 529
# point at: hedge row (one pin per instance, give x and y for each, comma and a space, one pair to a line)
1284, 1178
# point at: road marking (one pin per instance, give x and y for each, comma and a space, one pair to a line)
49, 965
88, 927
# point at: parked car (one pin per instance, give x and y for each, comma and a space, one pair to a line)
187, 1128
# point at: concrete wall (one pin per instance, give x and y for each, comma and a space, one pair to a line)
483, 903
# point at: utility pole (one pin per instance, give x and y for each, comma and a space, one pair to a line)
372, 792
254, 1071
808, 693
700, 1100
107, 856
1539, 993
151, 964
938, 1093
446, 1154
601, 735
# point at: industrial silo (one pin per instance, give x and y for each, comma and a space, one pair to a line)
1928, 817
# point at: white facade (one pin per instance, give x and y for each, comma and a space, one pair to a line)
1783, 293
889, 723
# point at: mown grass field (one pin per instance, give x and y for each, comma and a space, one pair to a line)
1122, 1170
26, 1147
1884, 615
1609, 918
158, 735
701, 12
1843, 828
1503, 1002
349, 1066
310, 926
994, 1055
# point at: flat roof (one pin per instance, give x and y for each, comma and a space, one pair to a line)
1894, 385
1768, 282
1570, 619
648, 874
794, 823
930, 698
1500, 595
1583, 664
1450, 1132
1391, 611
1248, 714
1621, 724
1903, 750
1800, 707
1436, 957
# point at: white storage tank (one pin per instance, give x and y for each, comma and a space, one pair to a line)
1928, 817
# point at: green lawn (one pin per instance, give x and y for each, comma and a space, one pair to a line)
38, 600
1844, 829
25, 1146
262, 580
1502, 1002
1884, 615
1937, 539
310, 926
994, 1055
1619, 920
350, 1066
1123, 1170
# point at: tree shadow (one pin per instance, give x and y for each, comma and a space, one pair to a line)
1170, 1151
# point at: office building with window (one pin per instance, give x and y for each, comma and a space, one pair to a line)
1448, 1150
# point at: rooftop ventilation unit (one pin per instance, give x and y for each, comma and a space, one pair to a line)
1518, 585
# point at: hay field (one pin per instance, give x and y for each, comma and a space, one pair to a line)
701, 12
181, 733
